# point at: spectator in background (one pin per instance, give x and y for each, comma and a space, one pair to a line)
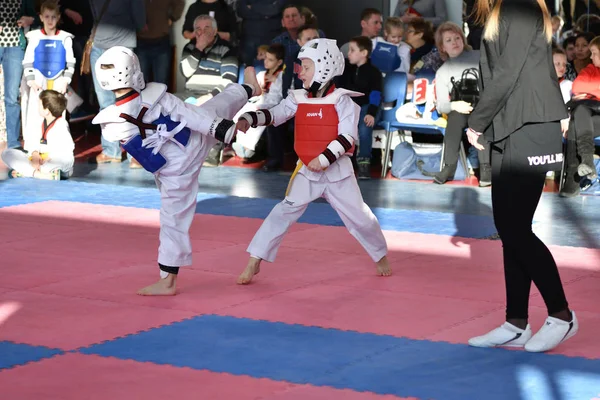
16, 16
118, 27
209, 63
77, 19
292, 20
433, 11
217, 9
420, 36
261, 22
154, 41
370, 23
362, 76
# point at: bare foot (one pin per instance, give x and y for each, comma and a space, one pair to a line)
383, 267
164, 287
250, 79
253, 268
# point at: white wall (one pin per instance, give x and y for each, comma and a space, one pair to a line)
454, 8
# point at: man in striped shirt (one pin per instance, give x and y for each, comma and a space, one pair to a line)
208, 62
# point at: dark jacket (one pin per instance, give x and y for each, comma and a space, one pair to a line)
224, 16
520, 85
83, 8
365, 79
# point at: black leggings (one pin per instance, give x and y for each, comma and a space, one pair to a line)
586, 125
515, 196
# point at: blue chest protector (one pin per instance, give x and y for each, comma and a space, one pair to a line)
50, 58
385, 57
144, 155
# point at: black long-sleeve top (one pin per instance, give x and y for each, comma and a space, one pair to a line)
365, 79
520, 85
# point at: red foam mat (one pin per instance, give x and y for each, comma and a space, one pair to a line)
90, 377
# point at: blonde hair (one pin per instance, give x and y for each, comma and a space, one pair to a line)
439, 37
393, 22
595, 42
487, 13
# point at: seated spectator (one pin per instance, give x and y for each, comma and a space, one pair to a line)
390, 53
586, 112
209, 64
420, 36
362, 76
217, 9
271, 82
433, 11
455, 98
52, 156
370, 24
582, 54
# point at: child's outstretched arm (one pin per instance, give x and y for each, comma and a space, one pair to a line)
348, 116
275, 116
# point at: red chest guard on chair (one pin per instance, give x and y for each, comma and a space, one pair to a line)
316, 124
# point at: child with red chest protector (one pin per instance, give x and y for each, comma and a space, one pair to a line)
326, 128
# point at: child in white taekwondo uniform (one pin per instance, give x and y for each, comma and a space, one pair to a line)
170, 139
48, 63
52, 155
326, 125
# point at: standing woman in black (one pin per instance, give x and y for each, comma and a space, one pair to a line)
519, 112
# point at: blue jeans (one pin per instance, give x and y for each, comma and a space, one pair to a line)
105, 98
365, 134
12, 67
155, 59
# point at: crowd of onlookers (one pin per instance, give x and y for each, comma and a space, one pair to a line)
224, 36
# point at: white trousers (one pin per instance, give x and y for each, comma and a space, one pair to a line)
178, 180
19, 161
345, 198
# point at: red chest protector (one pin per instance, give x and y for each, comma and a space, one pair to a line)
316, 123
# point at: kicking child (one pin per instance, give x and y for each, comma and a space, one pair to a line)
326, 121
170, 139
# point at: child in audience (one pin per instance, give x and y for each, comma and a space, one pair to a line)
261, 52
390, 53
52, 155
326, 129
170, 139
49, 63
271, 82
360, 75
586, 116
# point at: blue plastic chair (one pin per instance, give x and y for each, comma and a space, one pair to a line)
394, 95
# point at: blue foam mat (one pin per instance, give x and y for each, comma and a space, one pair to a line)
358, 361
13, 354
25, 191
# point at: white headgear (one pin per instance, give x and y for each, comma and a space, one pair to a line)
328, 59
124, 70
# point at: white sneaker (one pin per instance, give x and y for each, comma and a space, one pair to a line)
506, 335
552, 333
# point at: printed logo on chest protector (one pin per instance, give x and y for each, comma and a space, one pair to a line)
53, 44
385, 49
316, 114
546, 159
